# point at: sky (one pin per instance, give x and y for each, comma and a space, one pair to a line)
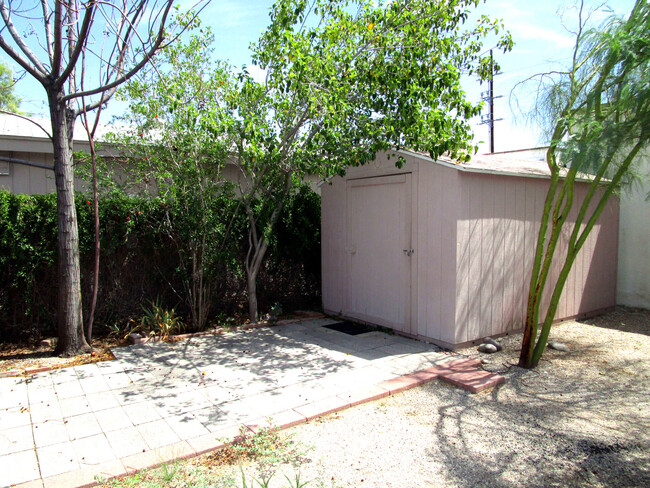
540, 30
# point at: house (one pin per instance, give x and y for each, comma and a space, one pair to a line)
443, 252
26, 160
26, 155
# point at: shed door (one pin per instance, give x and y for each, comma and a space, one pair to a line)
379, 250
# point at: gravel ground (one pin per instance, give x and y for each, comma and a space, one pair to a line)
581, 418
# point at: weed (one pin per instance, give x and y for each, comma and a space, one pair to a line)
267, 445
298, 483
268, 450
168, 472
160, 321
225, 322
156, 321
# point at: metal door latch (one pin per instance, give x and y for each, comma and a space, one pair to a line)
408, 252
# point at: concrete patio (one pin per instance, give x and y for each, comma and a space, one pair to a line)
164, 401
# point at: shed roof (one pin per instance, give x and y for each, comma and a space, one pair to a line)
502, 164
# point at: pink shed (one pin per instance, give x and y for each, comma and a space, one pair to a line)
443, 252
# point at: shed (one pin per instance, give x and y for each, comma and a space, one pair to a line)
443, 251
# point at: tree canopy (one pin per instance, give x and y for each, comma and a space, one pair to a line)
9, 101
345, 80
172, 154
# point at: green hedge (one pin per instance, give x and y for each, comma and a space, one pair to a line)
140, 260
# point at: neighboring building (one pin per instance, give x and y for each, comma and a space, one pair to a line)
633, 285
22, 139
444, 252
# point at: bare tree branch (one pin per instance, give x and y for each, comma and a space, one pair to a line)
16, 56
58, 48
49, 40
160, 37
80, 43
17, 38
26, 163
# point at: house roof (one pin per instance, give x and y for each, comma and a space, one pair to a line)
28, 127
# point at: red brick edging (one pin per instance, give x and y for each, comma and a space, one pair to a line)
27, 371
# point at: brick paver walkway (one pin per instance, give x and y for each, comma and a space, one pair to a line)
164, 401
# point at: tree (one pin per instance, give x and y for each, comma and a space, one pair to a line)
171, 155
600, 117
8, 99
81, 54
344, 81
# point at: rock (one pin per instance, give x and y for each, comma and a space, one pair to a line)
558, 346
487, 348
485, 361
489, 340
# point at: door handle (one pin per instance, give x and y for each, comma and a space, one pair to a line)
409, 252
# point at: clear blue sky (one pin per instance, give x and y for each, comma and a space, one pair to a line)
539, 29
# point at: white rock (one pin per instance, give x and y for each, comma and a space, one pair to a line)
558, 346
489, 340
487, 348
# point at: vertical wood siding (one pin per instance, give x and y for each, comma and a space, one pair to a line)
28, 180
474, 238
497, 239
436, 252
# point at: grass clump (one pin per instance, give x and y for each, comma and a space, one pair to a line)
250, 460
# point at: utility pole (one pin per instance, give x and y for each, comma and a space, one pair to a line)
489, 98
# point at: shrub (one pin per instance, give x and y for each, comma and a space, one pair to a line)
141, 261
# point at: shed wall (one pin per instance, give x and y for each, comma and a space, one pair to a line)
474, 240
497, 235
439, 189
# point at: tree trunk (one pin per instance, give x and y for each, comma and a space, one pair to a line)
252, 270
93, 303
252, 297
258, 245
69, 312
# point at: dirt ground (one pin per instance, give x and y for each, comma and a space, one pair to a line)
581, 418
21, 357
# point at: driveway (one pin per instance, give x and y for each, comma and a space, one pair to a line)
169, 400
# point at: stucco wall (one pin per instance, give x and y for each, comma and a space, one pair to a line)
633, 285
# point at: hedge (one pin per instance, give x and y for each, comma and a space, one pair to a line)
140, 261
